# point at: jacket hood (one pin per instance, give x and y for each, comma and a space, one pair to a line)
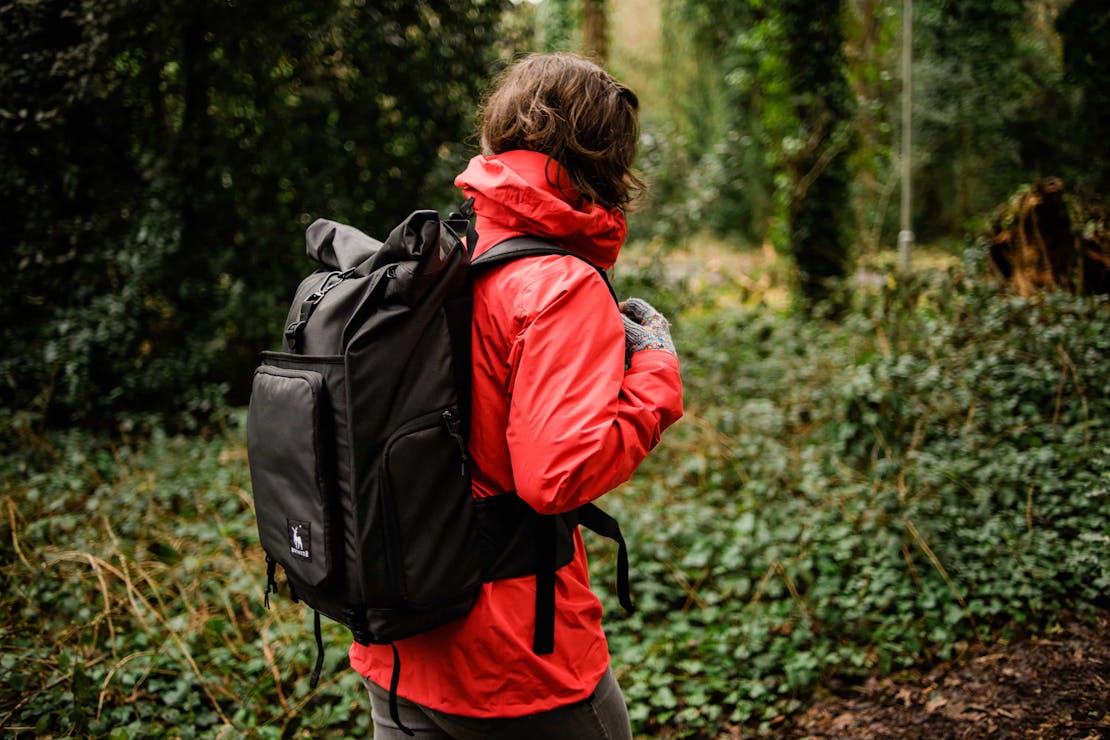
522, 192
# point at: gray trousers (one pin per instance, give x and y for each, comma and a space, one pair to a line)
603, 716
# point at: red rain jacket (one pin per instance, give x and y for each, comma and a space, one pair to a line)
556, 418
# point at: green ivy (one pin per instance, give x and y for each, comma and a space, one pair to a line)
867, 495
840, 499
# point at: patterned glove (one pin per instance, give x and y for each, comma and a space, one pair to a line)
644, 328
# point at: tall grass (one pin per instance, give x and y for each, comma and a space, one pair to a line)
133, 598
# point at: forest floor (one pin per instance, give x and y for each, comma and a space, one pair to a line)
1055, 686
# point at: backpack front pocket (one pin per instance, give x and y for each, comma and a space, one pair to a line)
289, 449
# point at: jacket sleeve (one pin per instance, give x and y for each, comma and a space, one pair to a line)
579, 423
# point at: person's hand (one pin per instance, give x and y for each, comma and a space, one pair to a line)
644, 328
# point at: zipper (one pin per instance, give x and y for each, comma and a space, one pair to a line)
453, 428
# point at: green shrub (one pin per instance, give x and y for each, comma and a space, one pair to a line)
933, 470
839, 499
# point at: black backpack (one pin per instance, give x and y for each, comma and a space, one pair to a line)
357, 443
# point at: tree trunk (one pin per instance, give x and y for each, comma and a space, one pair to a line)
820, 207
1034, 245
595, 30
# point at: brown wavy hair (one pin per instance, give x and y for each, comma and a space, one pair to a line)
576, 113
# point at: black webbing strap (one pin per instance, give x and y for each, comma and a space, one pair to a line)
471, 231
510, 249
294, 333
462, 221
543, 639
271, 581
394, 682
315, 679
597, 521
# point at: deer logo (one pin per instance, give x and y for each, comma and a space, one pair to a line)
299, 538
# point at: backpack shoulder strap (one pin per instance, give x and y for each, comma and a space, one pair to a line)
521, 246
530, 246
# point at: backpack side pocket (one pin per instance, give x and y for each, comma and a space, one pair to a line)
289, 449
426, 489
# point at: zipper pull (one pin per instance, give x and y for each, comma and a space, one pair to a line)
452, 424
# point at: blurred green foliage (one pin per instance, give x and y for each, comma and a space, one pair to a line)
159, 162
1005, 92
1084, 27
986, 113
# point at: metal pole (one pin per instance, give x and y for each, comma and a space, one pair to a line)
905, 236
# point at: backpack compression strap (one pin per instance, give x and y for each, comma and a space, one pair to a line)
294, 333
597, 521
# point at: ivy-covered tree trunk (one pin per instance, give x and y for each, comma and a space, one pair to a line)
872, 49
819, 209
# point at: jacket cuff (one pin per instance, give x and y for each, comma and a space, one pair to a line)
647, 358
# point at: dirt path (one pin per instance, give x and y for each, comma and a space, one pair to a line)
1051, 687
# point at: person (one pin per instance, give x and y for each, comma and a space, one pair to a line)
569, 391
